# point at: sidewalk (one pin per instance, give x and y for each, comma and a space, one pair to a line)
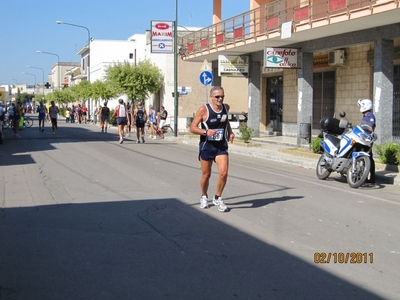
283, 149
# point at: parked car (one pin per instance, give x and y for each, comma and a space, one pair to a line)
236, 118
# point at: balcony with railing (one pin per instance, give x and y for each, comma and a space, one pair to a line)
262, 24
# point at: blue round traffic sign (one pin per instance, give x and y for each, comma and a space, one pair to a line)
206, 77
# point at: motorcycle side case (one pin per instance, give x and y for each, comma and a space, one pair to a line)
331, 125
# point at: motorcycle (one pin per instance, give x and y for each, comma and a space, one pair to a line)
346, 153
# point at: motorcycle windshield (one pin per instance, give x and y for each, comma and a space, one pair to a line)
365, 135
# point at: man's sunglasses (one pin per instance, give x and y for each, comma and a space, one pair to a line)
219, 97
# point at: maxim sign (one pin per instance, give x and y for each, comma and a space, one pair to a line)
162, 40
280, 58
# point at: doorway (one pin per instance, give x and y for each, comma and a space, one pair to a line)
274, 93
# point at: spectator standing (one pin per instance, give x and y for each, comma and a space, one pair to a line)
73, 114
163, 119
79, 113
17, 116
95, 113
67, 115
84, 114
152, 122
369, 120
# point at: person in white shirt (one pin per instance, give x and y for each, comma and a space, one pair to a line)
121, 113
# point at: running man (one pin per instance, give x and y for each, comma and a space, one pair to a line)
215, 132
42, 110
121, 112
139, 116
53, 112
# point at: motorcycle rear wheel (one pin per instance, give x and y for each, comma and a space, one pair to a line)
321, 171
356, 179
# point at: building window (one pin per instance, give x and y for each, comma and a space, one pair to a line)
130, 55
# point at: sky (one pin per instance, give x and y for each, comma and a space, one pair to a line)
28, 26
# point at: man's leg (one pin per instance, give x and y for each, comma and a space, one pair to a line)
138, 134
223, 166
205, 175
142, 130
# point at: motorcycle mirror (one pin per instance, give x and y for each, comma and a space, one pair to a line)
342, 114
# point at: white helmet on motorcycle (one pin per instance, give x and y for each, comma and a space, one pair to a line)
364, 104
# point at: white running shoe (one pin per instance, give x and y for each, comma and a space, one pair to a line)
220, 204
121, 140
203, 202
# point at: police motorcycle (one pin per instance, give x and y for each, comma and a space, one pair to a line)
345, 150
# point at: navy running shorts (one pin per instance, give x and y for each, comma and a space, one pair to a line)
208, 151
122, 121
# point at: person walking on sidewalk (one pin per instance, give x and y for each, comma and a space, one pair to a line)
121, 113
42, 115
53, 112
139, 116
215, 132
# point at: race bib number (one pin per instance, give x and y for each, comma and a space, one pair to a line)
218, 136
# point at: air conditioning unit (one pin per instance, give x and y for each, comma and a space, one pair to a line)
336, 58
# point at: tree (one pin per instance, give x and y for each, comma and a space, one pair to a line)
83, 90
137, 82
102, 90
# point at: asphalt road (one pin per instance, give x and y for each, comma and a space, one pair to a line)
83, 217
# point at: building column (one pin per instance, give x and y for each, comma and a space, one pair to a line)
216, 78
255, 98
383, 90
304, 93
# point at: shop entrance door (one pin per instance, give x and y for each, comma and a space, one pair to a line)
275, 102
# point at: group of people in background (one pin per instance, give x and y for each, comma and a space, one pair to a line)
126, 118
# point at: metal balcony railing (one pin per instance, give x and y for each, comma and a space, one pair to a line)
265, 22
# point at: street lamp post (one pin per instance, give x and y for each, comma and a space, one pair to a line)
58, 62
88, 56
30, 74
42, 76
16, 81
176, 70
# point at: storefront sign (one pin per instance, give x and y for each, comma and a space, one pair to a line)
280, 58
233, 65
162, 40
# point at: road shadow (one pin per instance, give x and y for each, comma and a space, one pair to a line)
150, 249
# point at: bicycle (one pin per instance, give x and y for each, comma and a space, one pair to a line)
28, 122
167, 129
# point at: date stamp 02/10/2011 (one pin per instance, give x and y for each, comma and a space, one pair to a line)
343, 257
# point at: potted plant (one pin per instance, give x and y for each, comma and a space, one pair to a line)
245, 132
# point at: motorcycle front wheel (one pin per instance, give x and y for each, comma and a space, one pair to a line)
321, 170
357, 178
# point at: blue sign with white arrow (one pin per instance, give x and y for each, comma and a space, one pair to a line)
206, 77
